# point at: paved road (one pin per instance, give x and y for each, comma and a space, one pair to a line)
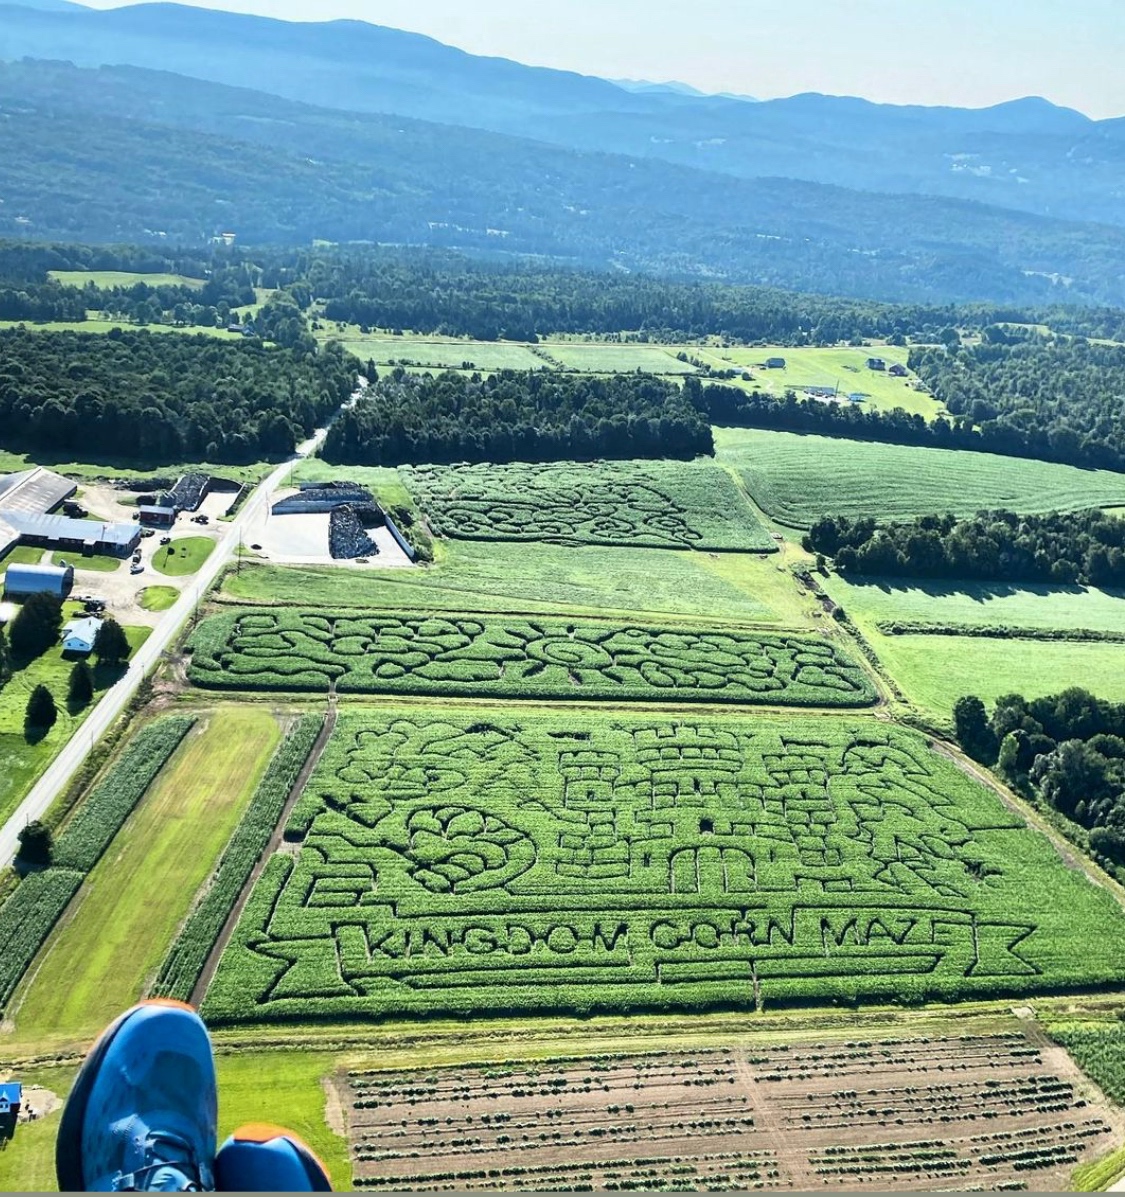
47, 788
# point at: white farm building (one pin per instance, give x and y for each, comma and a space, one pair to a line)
79, 635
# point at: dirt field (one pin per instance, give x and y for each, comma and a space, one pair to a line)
990, 1111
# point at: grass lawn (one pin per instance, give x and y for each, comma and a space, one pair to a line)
130, 907
284, 1087
112, 468
121, 278
842, 367
22, 554
27, 1164
97, 563
182, 556
796, 479
21, 762
384, 482
158, 598
544, 579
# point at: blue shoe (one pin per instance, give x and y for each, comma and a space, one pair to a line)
141, 1116
260, 1158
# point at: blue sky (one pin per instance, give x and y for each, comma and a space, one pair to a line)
962, 52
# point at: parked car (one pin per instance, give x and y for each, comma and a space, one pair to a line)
136, 568
146, 533
165, 540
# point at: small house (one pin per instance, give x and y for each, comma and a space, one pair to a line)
775, 363
898, 370
11, 1099
79, 635
856, 396
876, 363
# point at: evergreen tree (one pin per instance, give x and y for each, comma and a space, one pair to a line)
36, 627
5, 659
110, 644
41, 713
81, 687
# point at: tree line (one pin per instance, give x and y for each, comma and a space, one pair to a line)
164, 399
516, 416
1034, 395
1065, 750
1086, 547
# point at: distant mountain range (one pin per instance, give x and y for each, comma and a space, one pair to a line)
347, 132
1029, 155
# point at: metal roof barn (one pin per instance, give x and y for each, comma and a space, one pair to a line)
33, 492
39, 579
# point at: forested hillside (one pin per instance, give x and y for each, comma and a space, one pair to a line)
182, 159
163, 398
516, 416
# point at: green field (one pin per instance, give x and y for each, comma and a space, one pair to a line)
437, 352
21, 762
935, 670
158, 598
96, 325
797, 479
605, 358
482, 862
548, 579
121, 278
183, 556
841, 366
104, 954
97, 563
979, 604
657, 504
513, 657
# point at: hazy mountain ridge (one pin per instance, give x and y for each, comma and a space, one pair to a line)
187, 158
1028, 154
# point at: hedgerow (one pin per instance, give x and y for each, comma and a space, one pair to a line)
655, 504
110, 803
188, 955
26, 920
29, 914
520, 657
487, 863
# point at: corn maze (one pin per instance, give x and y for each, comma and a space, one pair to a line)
446, 864
975, 1112
663, 505
520, 657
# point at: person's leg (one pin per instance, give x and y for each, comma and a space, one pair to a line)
260, 1158
143, 1110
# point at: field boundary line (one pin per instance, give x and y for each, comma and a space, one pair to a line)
224, 936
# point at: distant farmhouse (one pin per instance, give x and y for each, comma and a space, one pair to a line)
876, 363
27, 500
821, 392
898, 370
774, 363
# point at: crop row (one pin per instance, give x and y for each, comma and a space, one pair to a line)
514, 657
188, 955
665, 505
28, 916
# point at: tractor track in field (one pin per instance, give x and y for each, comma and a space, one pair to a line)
215, 955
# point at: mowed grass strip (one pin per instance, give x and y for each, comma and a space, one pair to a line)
122, 278
183, 556
546, 579
796, 479
101, 958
